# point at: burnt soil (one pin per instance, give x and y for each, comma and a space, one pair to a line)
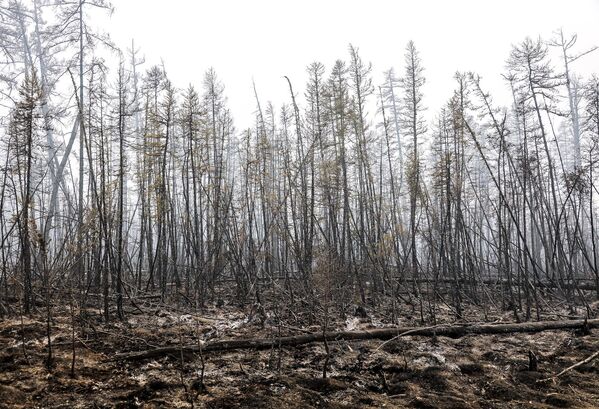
489, 371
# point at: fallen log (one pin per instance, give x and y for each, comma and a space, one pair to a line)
580, 284
452, 331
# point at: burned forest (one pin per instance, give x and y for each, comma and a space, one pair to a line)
356, 242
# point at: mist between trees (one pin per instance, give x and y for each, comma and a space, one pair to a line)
324, 202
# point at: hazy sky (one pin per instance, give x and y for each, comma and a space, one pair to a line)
264, 40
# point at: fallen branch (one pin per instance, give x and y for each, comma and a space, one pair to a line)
403, 334
452, 331
568, 369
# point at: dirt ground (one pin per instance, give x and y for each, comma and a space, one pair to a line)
490, 371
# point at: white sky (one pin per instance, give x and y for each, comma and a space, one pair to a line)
266, 39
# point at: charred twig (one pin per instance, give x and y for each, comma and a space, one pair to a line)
568, 369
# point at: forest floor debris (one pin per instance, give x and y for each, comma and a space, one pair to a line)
474, 371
